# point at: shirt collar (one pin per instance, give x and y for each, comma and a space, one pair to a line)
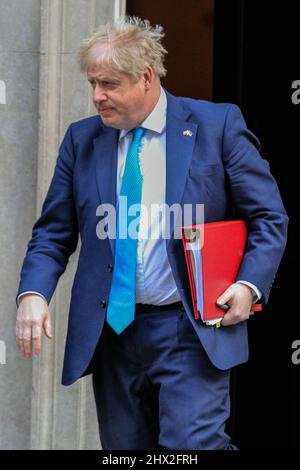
156, 121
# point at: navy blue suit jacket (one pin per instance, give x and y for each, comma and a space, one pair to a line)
219, 166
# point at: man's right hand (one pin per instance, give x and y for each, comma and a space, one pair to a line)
33, 316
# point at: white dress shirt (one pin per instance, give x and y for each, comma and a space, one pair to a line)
155, 283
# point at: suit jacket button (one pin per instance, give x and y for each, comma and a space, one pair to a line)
110, 268
103, 303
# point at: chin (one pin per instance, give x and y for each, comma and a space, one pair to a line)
111, 123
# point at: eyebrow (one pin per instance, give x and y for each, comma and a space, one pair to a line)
104, 79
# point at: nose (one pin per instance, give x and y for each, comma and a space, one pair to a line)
99, 95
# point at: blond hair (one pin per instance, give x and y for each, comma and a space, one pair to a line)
132, 45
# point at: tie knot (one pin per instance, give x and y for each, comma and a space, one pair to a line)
138, 133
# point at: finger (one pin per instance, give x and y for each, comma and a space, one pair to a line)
225, 297
17, 335
232, 318
27, 343
37, 338
47, 327
27, 347
21, 346
227, 321
20, 341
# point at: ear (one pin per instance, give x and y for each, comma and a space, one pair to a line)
148, 77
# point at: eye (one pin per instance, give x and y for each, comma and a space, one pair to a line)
110, 85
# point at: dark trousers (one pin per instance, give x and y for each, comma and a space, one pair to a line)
155, 386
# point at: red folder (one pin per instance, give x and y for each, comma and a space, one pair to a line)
213, 253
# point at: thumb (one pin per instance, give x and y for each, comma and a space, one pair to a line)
225, 297
47, 327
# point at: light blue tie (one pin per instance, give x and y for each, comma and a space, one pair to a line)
121, 305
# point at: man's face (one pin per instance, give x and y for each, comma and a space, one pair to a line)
120, 102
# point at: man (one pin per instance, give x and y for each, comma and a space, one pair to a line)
160, 377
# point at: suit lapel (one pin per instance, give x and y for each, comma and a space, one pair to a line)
106, 154
179, 151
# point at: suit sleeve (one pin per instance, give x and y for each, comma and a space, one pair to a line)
257, 199
55, 233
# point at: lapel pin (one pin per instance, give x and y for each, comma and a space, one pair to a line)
187, 133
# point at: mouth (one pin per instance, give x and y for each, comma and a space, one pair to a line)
104, 110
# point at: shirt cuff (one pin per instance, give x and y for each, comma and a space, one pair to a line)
30, 292
257, 292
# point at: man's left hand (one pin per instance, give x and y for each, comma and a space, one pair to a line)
239, 297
